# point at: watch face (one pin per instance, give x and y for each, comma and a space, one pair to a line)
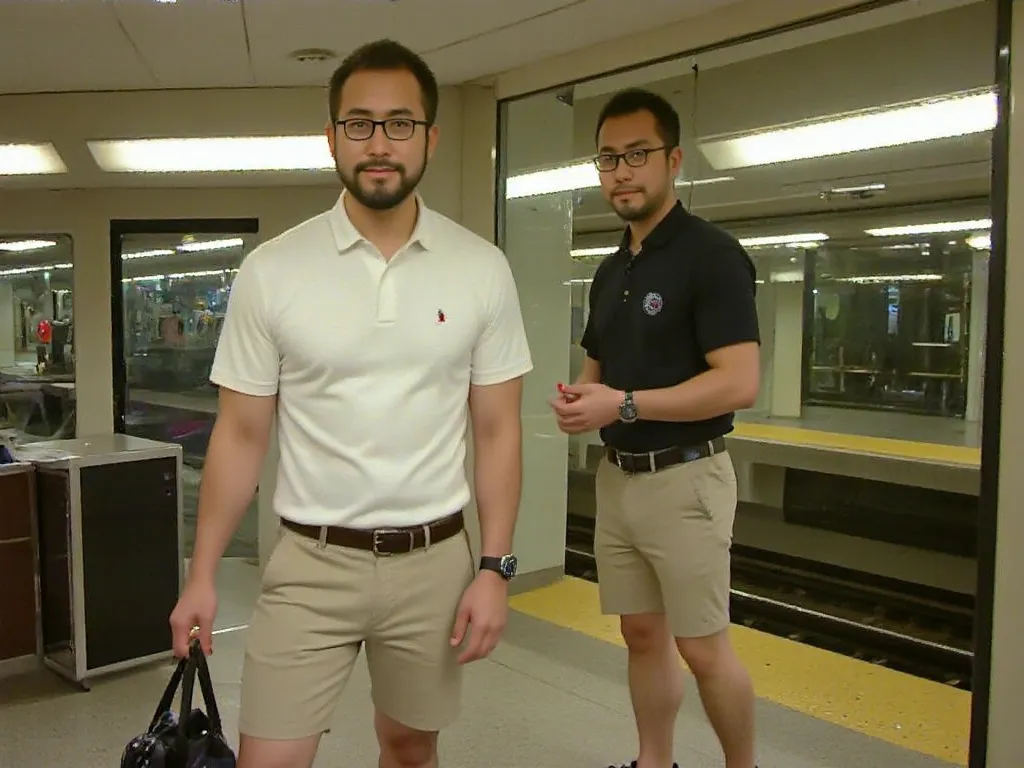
627, 412
508, 566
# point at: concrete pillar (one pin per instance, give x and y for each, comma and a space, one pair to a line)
8, 328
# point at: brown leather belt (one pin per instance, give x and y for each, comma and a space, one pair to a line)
383, 542
653, 461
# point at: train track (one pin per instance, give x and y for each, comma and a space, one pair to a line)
898, 625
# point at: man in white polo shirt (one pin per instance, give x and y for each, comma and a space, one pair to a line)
372, 331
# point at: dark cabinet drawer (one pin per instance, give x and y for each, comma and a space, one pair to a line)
17, 600
16, 505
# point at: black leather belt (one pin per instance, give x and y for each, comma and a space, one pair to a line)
652, 461
383, 542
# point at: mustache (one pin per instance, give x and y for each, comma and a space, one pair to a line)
377, 165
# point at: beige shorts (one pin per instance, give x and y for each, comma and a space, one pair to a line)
319, 606
662, 543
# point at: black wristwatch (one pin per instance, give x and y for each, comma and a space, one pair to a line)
504, 566
627, 411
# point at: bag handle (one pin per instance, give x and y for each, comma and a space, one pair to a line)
167, 700
196, 664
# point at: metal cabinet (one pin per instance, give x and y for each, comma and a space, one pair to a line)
111, 568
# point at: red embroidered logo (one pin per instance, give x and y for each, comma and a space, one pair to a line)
440, 315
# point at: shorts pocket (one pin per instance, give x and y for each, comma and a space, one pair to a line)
714, 484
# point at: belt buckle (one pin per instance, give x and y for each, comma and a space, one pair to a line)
377, 541
631, 469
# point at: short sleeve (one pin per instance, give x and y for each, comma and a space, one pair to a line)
247, 359
726, 309
502, 352
590, 341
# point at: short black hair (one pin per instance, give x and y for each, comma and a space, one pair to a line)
385, 55
633, 100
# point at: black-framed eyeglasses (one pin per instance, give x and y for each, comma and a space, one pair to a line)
395, 128
635, 158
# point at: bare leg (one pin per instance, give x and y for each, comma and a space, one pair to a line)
655, 686
267, 753
726, 692
404, 747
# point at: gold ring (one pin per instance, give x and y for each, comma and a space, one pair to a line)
193, 632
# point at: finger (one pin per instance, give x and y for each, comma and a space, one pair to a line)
473, 650
205, 635
179, 637
461, 624
575, 390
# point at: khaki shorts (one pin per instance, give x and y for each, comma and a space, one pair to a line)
662, 542
319, 606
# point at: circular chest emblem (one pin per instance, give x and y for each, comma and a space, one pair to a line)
653, 303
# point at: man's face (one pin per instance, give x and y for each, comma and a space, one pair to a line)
636, 193
380, 172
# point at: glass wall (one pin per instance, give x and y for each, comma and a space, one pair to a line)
853, 162
37, 340
174, 293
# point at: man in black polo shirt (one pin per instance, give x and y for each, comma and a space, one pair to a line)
672, 349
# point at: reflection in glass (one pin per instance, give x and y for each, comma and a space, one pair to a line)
894, 332
175, 291
37, 352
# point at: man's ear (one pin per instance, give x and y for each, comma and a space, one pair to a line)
331, 135
433, 134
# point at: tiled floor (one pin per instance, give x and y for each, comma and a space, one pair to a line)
547, 697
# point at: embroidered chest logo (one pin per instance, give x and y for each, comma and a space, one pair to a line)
440, 316
653, 303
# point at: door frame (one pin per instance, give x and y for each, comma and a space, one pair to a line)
118, 229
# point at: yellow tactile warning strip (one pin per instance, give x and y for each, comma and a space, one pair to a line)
907, 711
910, 449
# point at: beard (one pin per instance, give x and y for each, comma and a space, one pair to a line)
376, 194
638, 210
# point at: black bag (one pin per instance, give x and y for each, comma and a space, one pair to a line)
191, 739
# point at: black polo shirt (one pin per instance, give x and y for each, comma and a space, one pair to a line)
654, 316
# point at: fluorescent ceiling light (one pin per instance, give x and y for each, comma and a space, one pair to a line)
179, 275
211, 155
931, 229
568, 178
874, 279
941, 118
608, 250
980, 242
20, 246
29, 270
147, 254
30, 160
854, 190
211, 245
802, 238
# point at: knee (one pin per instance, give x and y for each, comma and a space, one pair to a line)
406, 747
644, 632
705, 655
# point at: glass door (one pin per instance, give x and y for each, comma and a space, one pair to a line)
175, 278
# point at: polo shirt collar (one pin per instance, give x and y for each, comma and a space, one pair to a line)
346, 236
663, 232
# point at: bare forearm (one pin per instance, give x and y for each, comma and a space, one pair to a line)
230, 476
498, 475
710, 394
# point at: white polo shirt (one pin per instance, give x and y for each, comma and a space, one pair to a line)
371, 361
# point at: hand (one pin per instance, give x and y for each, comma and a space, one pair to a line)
193, 617
586, 407
483, 611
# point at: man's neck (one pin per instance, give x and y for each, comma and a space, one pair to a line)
388, 230
638, 230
